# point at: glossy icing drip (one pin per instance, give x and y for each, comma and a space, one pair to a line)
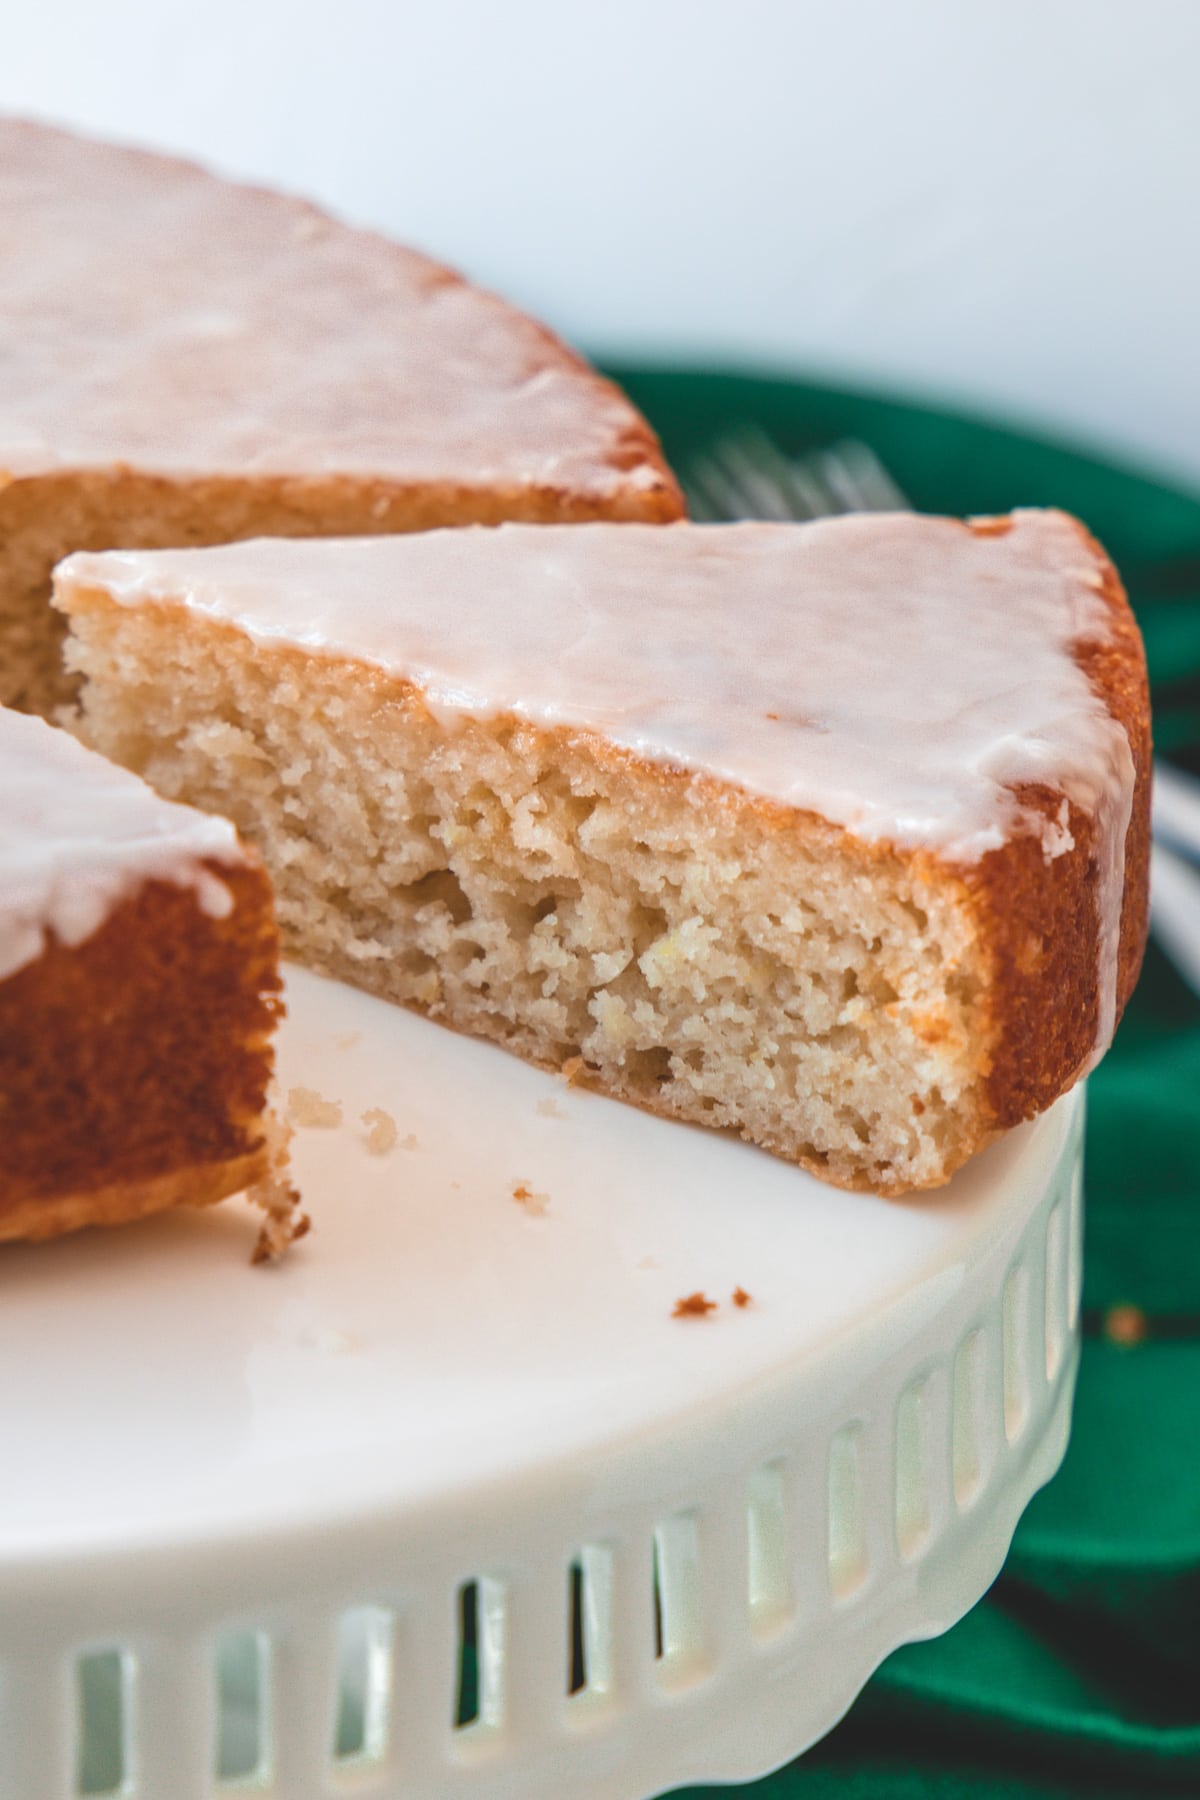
151, 315
898, 675
77, 836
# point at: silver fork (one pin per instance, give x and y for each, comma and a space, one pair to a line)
745, 475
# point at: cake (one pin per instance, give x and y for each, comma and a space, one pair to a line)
833, 835
186, 361
138, 995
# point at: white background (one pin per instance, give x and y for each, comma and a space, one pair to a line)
996, 203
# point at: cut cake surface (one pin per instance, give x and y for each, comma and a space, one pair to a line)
834, 835
186, 361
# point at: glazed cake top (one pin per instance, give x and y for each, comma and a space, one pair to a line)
898, 675
78, 836
154, 316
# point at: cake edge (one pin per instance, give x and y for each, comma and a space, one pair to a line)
121, 1202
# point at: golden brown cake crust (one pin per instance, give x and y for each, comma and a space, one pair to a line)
1040, 918
134, 1066
121, 1203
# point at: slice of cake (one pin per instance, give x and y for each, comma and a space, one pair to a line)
138, 995
833, 834
184, 361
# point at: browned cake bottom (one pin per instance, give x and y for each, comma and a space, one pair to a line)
122, 1201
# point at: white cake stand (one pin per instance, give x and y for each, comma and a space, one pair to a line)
450, 1405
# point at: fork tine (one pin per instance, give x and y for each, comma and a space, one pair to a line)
801, 480
813, 496
841, 482
721, 497
802, 497
699, 504
745, 475
754, 489
862, 479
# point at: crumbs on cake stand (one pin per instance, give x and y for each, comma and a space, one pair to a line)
277, 1198
309, 1108
699, 1306
694, 1306
380, 1129
534, 1204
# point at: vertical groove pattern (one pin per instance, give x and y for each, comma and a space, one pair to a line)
493, 1652
846, 1535
967, 1425
912, 1471
1075, 1249
1014, 1330
677, 1541
768, 1575
1056, 1290
596, 1561
365, 1646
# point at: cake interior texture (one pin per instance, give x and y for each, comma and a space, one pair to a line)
677, 942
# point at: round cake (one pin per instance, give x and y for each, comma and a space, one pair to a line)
187, 361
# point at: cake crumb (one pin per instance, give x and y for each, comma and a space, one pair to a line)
535, 1204
647, 1262
694, 1306
346, 1040
740, 1297
276, 1196
410, 1142
307, 1107
771, 716
572, 1069
550, 1109
381, 1130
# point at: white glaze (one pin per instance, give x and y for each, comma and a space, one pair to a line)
153, 316
896, 674
78, 835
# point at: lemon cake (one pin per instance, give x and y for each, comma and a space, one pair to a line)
187, 361
834, 835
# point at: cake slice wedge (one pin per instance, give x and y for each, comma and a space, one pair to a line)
834, 835
139, 992
185, 360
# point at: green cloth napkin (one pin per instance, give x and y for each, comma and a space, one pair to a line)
1079, 1674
